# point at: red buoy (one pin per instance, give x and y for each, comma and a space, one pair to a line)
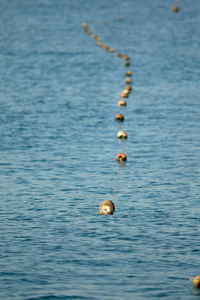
121, 157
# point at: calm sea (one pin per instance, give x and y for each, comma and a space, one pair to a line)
58, 142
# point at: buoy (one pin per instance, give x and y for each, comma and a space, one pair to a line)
121, 157
119, 117
120, 19
126, 91
111, 50
196, 281
107, 208
99, 43
122, 135
119, 55
125, 57
127, 80
127, 63
84, 25
88, 32
128, 87
128, 73
124, 95
175, 8
106, 23
121, 103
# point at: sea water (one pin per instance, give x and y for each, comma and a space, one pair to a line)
58, 100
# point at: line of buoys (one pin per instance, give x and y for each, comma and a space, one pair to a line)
107, 207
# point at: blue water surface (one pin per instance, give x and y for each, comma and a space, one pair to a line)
58, 142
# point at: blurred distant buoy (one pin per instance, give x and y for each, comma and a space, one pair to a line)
119, 55
125, 91
128, 87
107, 208
127, 80
120, 19
119, 117
196, 281
175, 8
127, 63
99, 43
111, 50
84, 25
121, 103
122, 135
124, 95
88, 32
128, 73
125, 57
106, 23
121, 157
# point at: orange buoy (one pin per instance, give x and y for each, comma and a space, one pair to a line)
107, 208
125, 57
119, 117
121, 103
196, 281
128, 73
124, 95
122, 135
127, 80
121, 157
175, 8
127, 63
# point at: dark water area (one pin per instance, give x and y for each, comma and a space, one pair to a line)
58, 142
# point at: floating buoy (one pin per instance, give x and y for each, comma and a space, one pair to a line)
120, 19
128, 73
84, 25
124, 95
128, 87
126, 91
99, 43
127, 63
119, 54
111, 50
122, 135
106, 23
175, 8
127, 80
88, 32
119, 117
121, 157
125, 57
196, 281
121, 103
107, 208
